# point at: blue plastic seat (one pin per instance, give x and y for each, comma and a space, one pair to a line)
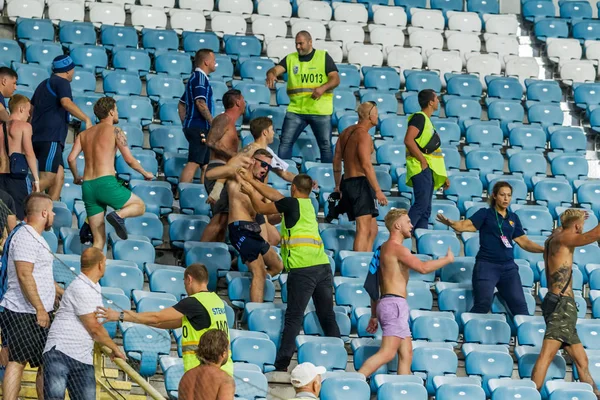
131, 60
39, 30
587, 194
10, 52
447, 5
393, 154
419, 80
575, 10
146, 345
173, 63
148, 225
138, 251
324, 175
382, 79
76, 33
168, 281
312, 326
135, 136
400, 387
535, 219
255, 68
184, 228
488, 362
543, 91
527, 356
352, 294
451, 157
586, 94
386, 102
343, 100
551, 28
192, 199
553, 193
42, 53
269, 321
115, 37
536, 9
546, 114
434, 361
157, 197
214, 256
90, 58
83, 82
508, 88
584, 256
419, 295
260, 352
463, 85
242, 46
146, 157
529, 163
486, 161
168, 139
434, 328
448, 130
159, 40
194, 41
254, 94
527, 137
486, 329
349, 76
464, 188
122, 83
508, 389
325, 351
337, 239
155, 302
442, 207
485, 135
249, 384
161, 87
568, 139
172, 376
572, 167
506, 111
456, 299
460, 271
436, 243
66, 268
124, 277
239, 291
483, 6
341, 388
463, 108
531, 258
135, 110
117, 301
456, 387
394, 126
30, 75
168, 112
224, 68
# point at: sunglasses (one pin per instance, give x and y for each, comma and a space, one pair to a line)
264, 164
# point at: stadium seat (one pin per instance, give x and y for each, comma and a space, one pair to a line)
242, 46
464, 188
226, 23
463, 42
135, 110
402, 387
156, 195
192, 197
224, 68
486, 329
551, 28
83, 82
463, 85
572, 167
537, 9
527, 137
484, 65
434, 360
488, 362
118, 37
186, 20
148, 225
505, 389
521, 67
145, 345
34, 29
260, 352
529, 163
255, 69
107, 14
76, 33
419, 80
194, 41
143, 17
214, 256
365, 55
552, 192
184, 228
175, 64
155, 302
387, 37
433, 327
168, 112
484, 135
324, 351
507, 88
122, 83
460, 271
172, 376
239, 291
125, 277
168, 281
42, 53
269, 321
312, 326
452, 387
446, 62
115, 299
382, 79
138, 251
436, 243
131, 60
486, 161
266, 28
24, 9
536, 220
442, 207
526, 358
249, 383
506, 111
168, 139
567, 139
456, 299
546, 114
161, 87
352, 294
463, 109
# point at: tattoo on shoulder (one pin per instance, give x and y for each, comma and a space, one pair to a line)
121, 138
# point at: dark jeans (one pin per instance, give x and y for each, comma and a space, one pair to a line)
62, 372
420, 211
505, 277
294, 124
302, 284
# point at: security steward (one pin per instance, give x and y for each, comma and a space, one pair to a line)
425, 168
312, 76
304, 258
200, 311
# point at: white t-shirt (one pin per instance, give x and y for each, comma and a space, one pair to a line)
277, 162
29, 246
67, 332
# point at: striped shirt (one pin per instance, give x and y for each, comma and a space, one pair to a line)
197, 87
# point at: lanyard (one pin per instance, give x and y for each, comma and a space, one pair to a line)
498, 222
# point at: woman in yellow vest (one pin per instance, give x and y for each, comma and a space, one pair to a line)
201, 311
304, 258
312, 76
425, 168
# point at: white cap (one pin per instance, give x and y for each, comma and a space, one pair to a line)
305, 373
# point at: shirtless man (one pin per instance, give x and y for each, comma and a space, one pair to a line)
360, 191
392, 261
100, 187
244, 231
559, 307
18, 132
224, 143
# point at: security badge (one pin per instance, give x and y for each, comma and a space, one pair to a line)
295, 69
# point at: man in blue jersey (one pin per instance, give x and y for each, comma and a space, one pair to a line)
8, 85
196, 112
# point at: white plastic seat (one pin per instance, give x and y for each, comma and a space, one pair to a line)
592, 50
365, 55
346, 33
268, 27
107, 14
389, 16
576, 71
24, 9
483, 65
187, 20
148, 17
158, 3
317, 10
354, 13
427, 19
66, 11
317, 30
425, 39
404, 59
444, 62
275, 8
502, 45
388, 37
503, 24
199, 5
126, 3
560, 50
465, 43
464, 21
228, 24
239, 7
521, 68
50, 2
333, 48
280, 47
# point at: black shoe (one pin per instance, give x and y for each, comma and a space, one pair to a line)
118, 223
85, 234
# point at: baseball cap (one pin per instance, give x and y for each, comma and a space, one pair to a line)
62, 63
304, 373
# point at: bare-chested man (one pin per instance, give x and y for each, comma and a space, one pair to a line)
392, 262
18, 132
244, 231
224, 143
559, 307
100, 187
359, 187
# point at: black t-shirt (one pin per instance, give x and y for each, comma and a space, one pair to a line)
418, 121
195, 312
329, 63
290, 208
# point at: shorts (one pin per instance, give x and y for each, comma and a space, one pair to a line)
18, 189
358, 198
246, 239
49, 155
62, 373
561, 324
26, 339
4, 342
393, 313
102, 192
222, 205
198, 152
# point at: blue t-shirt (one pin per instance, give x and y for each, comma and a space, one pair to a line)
491, 248
197, 87
50, 121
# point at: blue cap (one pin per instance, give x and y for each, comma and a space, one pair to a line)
62, 63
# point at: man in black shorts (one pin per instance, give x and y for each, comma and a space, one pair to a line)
359, 188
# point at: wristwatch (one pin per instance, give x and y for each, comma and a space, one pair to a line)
121, 316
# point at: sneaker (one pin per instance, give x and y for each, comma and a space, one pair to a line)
118, 223
85, 234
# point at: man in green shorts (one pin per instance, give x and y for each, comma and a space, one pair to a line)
100, 186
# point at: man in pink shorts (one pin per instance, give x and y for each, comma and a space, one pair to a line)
388, 274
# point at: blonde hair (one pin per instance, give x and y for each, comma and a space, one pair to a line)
570, 216
15, 101
392, 216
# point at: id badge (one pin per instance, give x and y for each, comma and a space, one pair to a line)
506, 242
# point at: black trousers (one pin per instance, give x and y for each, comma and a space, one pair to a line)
302, 284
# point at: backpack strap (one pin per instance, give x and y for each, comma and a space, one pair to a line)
4, 260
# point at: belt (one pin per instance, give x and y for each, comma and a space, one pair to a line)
392, 295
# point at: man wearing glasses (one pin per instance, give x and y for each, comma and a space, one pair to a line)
244, 231
360, 191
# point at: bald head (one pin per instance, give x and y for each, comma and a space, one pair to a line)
91, 257
37, 202
368, 112
304, 35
